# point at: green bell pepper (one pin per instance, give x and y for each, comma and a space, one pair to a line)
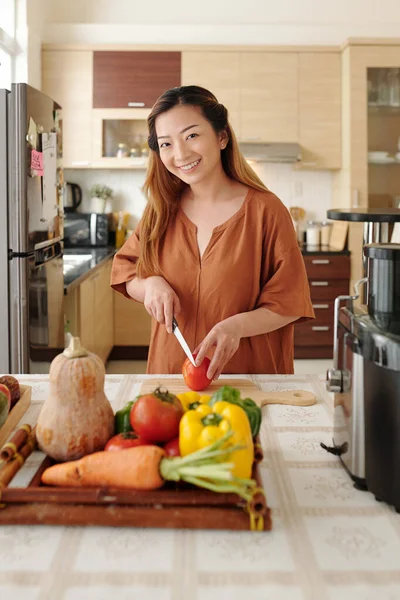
121, 418
232, 395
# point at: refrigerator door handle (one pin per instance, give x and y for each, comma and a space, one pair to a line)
47, 243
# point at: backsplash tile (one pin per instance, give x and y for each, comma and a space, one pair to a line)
310, 189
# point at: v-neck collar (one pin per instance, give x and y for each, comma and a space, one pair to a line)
237, 215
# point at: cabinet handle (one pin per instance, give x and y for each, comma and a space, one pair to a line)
320, 261
320, 305
319, 283
135, 104
320, 328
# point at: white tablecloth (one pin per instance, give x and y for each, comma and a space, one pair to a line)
329, 541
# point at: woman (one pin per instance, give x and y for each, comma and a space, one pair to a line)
214, 247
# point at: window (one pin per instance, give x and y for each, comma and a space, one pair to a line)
7, 42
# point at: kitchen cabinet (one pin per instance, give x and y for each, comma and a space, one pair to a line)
133, 79
132, 325
89, 310
67, 77
328, 277
269, 88
369, 124
277, 96
218, 72
319, 109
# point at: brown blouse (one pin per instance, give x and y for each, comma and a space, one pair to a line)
252, 260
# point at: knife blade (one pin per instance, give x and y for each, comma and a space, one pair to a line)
176, 331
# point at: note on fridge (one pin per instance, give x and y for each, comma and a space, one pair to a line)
49, 149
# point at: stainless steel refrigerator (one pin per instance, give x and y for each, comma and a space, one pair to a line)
31, 231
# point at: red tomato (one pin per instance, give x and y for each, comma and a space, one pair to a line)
196, 377
172, 448
156, 416
121, 441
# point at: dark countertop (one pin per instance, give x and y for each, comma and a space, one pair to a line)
74, 274
365, 215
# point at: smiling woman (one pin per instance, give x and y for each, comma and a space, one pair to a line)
214, 246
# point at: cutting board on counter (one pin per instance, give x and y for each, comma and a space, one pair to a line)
247, 389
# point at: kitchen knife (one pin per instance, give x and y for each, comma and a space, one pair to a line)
182, 341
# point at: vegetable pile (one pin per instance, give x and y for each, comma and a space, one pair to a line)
10, 393
203, 440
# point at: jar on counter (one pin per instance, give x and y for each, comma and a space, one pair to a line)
326, 228
313, 235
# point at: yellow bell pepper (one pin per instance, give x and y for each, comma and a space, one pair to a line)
204, 424
192, 399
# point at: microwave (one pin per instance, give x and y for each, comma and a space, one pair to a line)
85, 229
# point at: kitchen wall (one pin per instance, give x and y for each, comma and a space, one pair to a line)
309, 189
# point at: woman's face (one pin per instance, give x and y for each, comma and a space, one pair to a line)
189, 146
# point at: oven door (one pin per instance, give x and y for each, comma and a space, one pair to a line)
77, 230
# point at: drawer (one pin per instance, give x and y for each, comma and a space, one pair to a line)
327, 267
313, 333
328, 289
323, 312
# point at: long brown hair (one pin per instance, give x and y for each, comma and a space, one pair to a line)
163, 189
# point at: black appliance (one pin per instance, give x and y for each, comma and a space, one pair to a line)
85, 229
72, 197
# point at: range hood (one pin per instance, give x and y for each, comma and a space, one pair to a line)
277, 152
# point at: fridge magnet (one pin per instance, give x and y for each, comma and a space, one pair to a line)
31, 136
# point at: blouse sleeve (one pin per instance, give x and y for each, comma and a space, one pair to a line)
284, 285
124, 263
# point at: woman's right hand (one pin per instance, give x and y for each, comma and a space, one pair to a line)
160, 300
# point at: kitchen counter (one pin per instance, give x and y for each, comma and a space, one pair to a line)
329, 541
80, 262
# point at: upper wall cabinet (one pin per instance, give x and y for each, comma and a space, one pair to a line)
268, 96
277, 97
218, 72
67, 76
133, 79
320, 109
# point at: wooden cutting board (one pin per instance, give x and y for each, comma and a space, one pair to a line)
16, 413
247, 389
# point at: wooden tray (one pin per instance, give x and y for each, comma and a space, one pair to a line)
246, 387
173, 506
16, 413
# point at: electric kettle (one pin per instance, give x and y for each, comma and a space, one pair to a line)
72, 197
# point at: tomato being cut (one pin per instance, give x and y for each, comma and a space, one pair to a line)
156, 416
196, 377
127, 439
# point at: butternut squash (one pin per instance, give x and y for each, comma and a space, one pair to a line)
76, 418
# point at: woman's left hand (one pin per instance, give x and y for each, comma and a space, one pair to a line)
225, 338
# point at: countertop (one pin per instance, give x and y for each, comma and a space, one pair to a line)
74, 274
329, 541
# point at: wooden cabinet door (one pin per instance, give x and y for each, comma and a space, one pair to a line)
104, 311
320, 109
218, 72
132, 323
67, 77
125, 79
269, 92
87, 317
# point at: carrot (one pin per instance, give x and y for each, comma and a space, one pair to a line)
134, 468
146, 468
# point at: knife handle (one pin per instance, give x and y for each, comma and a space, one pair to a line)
174, 324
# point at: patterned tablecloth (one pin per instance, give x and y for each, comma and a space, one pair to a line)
329, 541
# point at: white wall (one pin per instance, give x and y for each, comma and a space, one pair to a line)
245, 22
308, 189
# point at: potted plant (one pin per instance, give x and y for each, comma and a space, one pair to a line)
100, 194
